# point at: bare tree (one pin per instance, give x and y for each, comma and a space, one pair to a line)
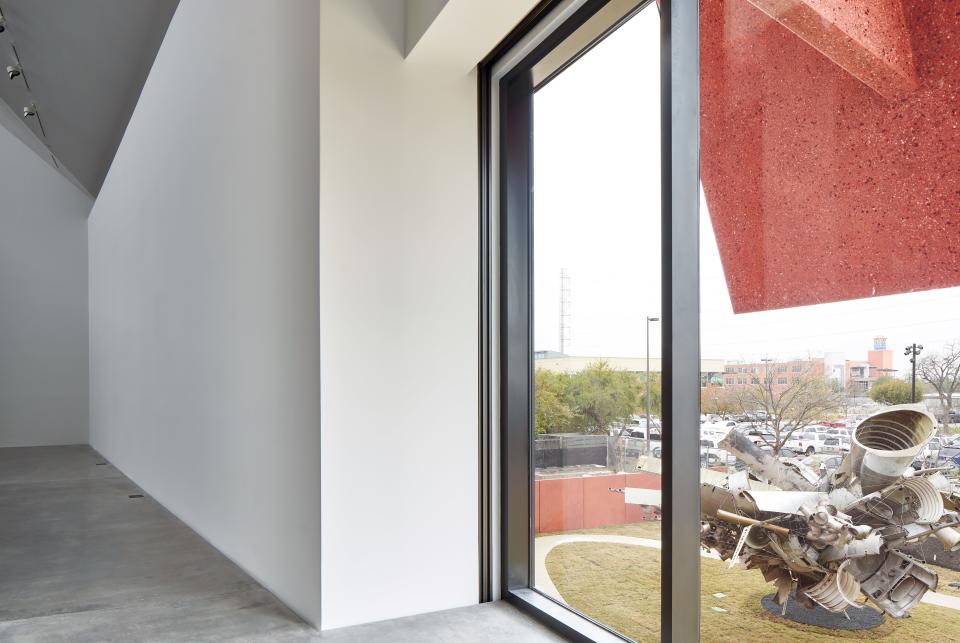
942, 372
788, 400
853, 392
717, 400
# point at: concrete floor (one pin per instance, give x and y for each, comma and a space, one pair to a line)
82, 561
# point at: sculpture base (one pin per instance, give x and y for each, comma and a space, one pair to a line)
863, 618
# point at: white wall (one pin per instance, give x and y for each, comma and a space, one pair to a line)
43, 301
399, 290
204, 334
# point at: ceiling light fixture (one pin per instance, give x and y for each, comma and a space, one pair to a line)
30, 111
13, 71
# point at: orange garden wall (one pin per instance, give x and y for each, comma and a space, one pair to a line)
587, 502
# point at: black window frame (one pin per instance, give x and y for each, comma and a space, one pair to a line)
506, 390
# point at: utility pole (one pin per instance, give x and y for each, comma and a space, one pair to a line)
913, 351
564, 311
647, 395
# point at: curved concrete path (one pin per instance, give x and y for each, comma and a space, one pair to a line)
545, 544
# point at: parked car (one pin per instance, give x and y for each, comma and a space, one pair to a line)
709, 460
712, 433
640, 433
836, 425
948, 456
759, 436
711, 453
835, 444
807, 442
931, 448
839, 431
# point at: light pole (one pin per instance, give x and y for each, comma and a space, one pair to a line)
649, 319
766, 368
913, 350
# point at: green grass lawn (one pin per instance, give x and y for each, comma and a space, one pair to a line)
651, 529
619, 585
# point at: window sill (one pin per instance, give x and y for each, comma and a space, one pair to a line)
561, 619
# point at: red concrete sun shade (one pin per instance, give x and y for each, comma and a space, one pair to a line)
825, 179
867, 38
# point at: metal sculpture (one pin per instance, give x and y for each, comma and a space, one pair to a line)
828, 539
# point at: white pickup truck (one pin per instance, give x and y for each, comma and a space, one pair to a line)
809, 442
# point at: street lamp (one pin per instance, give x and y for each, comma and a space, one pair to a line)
767, 376
649, 319
912, 351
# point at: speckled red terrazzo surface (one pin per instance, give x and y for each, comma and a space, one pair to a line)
867, 38
819, 188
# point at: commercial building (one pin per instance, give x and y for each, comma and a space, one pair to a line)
854, 376
860, 375
710, 369
781, 373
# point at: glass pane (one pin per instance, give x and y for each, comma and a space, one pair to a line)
597, 282
830, 209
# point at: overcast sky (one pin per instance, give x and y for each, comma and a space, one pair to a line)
597, 214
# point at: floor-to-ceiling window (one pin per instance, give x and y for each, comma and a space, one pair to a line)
580, 270
830, 207
596, 303
820, 403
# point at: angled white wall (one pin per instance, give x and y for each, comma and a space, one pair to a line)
43, 301
203, 289
398, 308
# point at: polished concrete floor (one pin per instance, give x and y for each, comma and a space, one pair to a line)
80, 560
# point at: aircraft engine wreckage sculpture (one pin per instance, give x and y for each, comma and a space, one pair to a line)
825, 540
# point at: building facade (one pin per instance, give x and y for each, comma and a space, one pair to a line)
782, 373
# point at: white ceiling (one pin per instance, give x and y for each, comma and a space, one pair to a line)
85, 62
